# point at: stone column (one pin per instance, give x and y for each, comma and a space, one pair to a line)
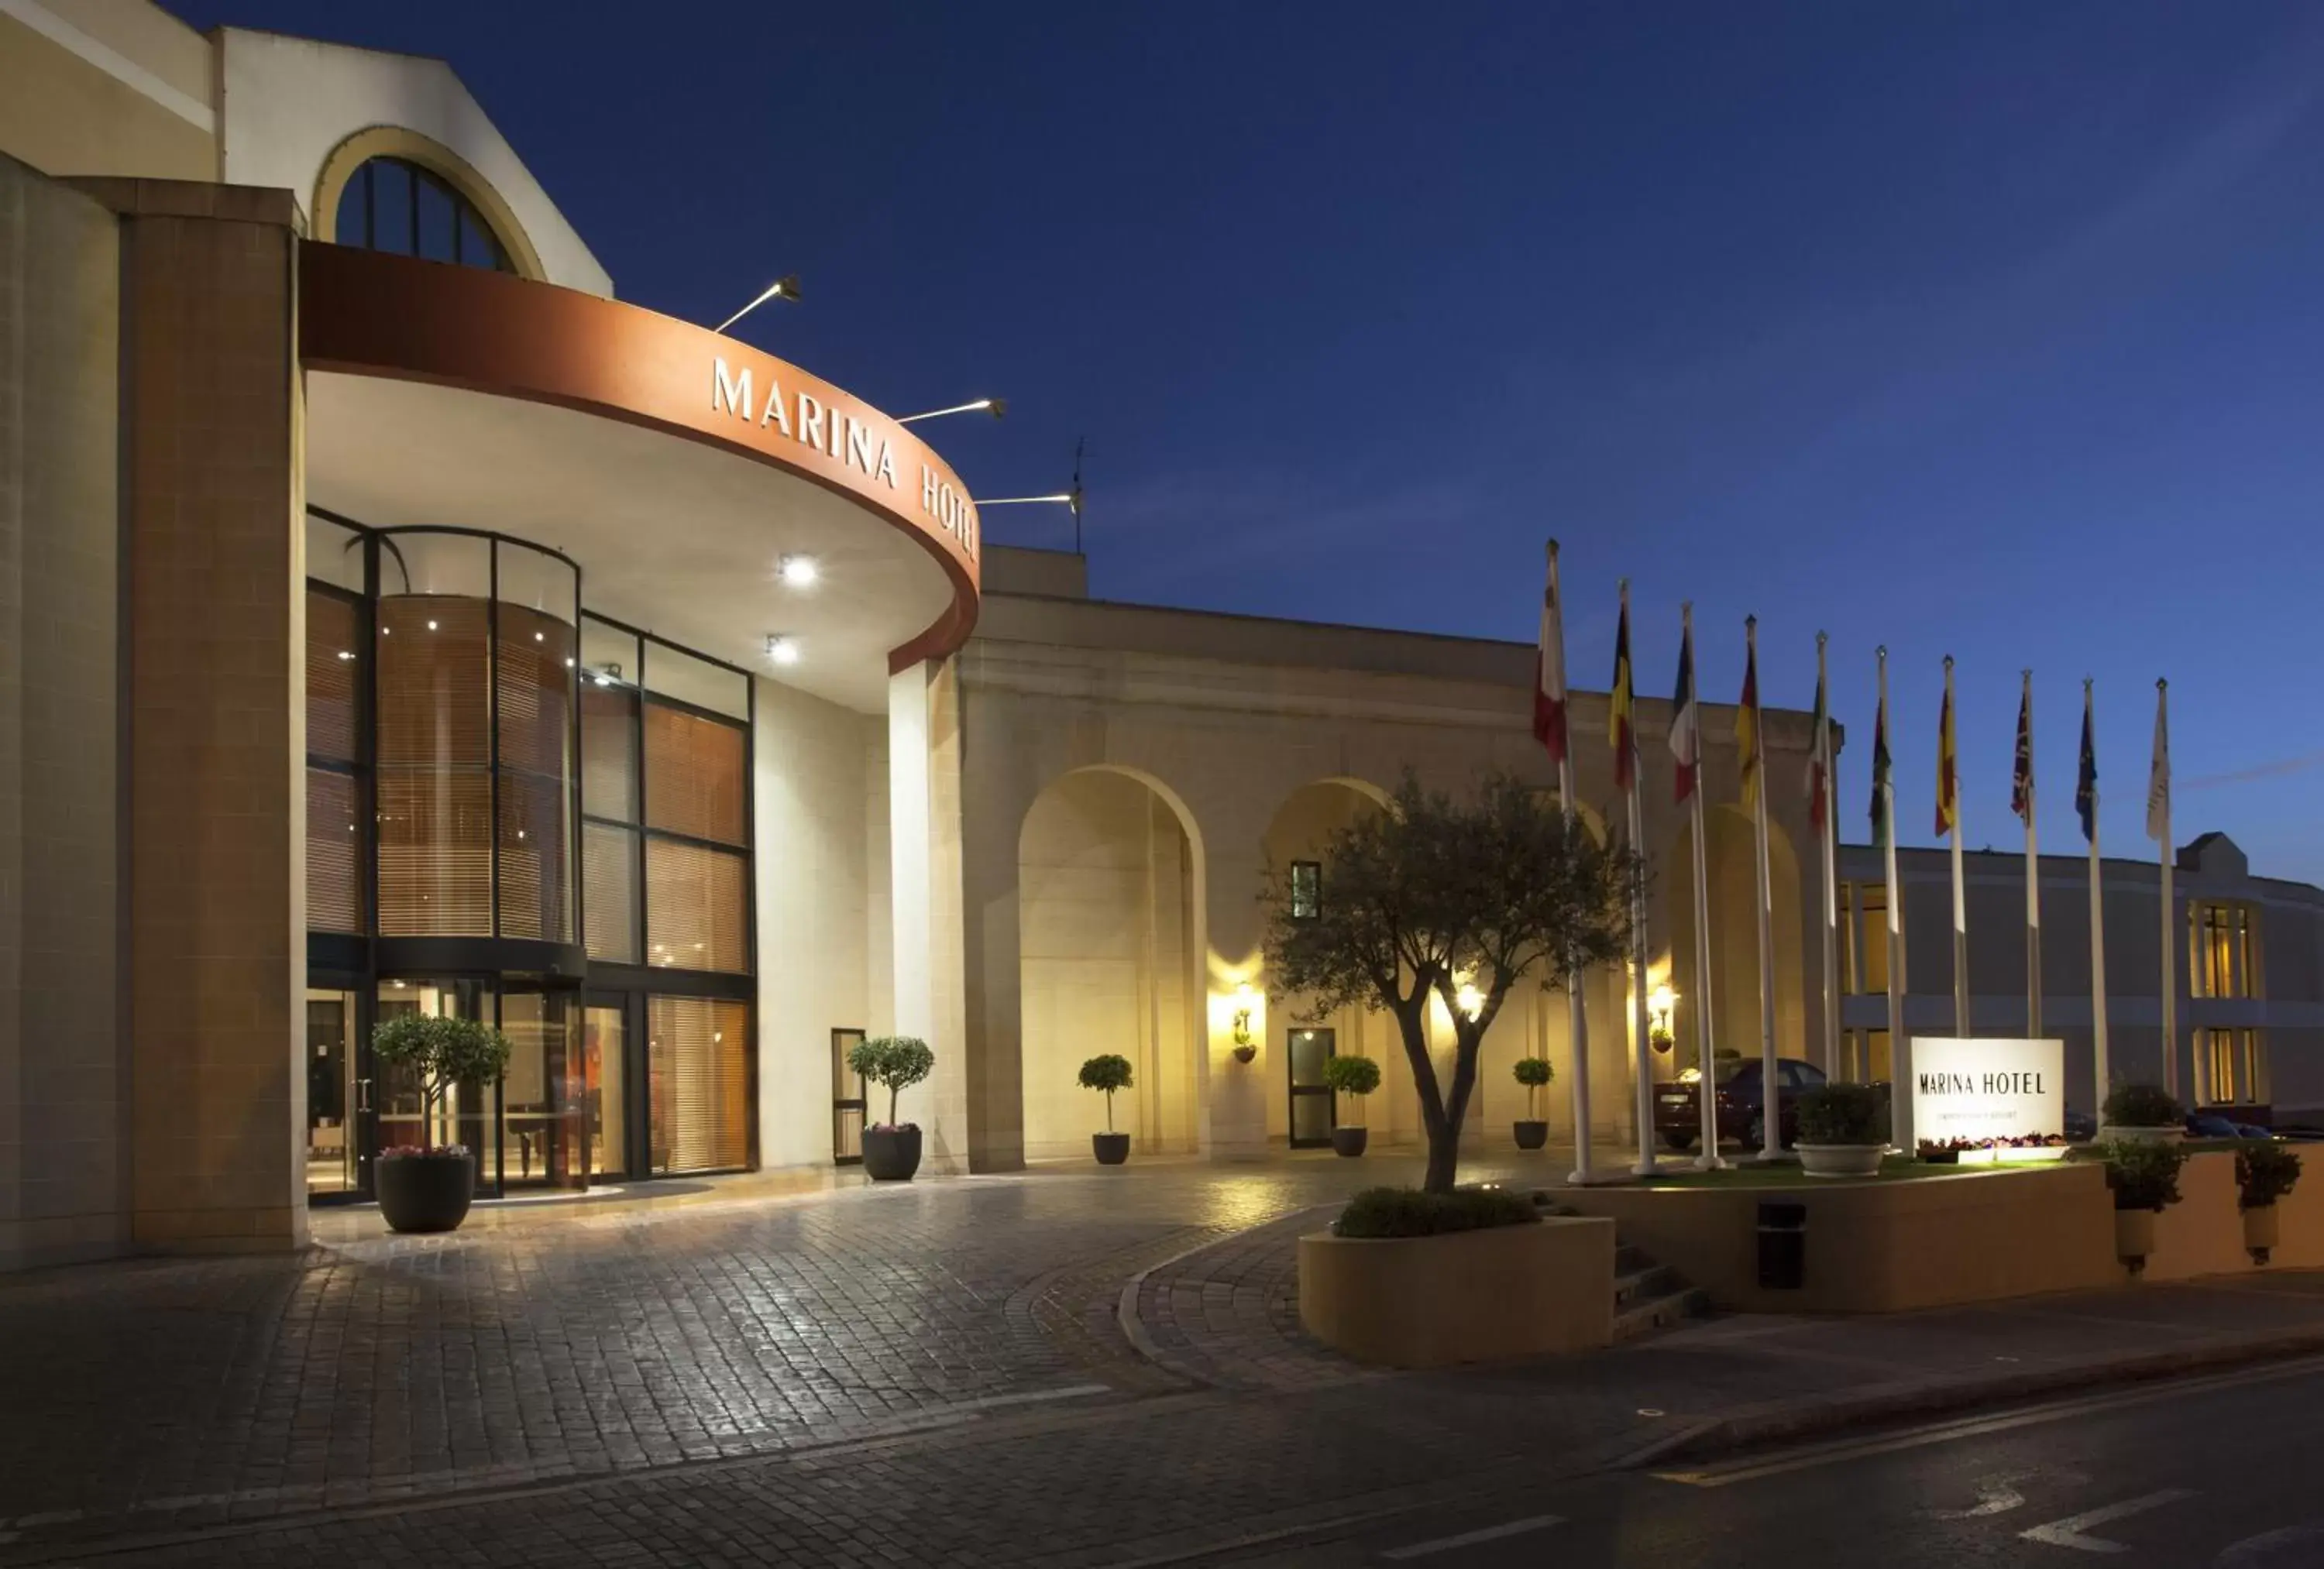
925, 872
214, 689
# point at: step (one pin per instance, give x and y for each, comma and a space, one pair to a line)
1660, 1312
1645, 1284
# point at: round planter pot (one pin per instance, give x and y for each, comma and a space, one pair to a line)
1349, 1141
425, 1193
1246, 1054
891, 1154
1532, 1136
2260, 1232
2123, 1132
1839, 1160
2133, 1236
1112, 1149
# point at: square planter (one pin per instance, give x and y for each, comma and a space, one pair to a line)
1470, 1296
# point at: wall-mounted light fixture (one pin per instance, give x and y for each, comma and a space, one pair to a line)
998, 406
1659, 1003
784, 288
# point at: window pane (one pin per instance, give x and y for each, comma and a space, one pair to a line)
681, 675
695, 774
391, 187
535, 859
693, 908
434, 660
334, 852
333, 672
439, 237
477, 248
609, 867
608, 651
435, 853
419, 561
352, 225
334, 553
698, 1083
535, 688
609, 752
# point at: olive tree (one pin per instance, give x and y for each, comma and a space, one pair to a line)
441, 1053
894, 1062
1435, 896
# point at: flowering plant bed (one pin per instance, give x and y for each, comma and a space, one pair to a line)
1993, 1151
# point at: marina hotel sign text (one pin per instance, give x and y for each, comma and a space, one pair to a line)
839, 438
1988, 1089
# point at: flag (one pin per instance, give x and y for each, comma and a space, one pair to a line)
1880, 781
2085, 781
2158, 774
2021, 780
1746, 727
1947, 768
1685, 737
1618, 733
1549, 676
1819, 781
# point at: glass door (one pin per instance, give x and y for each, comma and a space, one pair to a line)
606, 1037
337, 1164
847, 1101
544, 1109
1312, 1109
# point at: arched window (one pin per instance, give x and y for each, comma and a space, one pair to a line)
392, 204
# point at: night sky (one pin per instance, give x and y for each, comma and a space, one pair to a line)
1988, 329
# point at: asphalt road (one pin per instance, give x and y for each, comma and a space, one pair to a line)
2218, 1472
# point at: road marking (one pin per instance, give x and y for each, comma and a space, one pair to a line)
1995, 1496
1470, 1538
2069, 1532
1837, 1451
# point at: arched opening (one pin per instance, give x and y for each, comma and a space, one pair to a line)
1734, 890
388, 187
1109, 898
397, 206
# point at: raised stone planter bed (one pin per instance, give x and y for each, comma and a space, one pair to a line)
1471, 1296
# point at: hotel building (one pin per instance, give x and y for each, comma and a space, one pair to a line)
394, 620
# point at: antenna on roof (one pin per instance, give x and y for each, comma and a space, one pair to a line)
1079, 443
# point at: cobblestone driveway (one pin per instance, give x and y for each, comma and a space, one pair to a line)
164, 1394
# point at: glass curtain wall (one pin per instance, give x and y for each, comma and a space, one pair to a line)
666, 748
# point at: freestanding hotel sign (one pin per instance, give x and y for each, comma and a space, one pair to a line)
1988, 1089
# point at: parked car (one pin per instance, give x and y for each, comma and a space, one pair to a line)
2080, 1126
2207, 1125
1740, 1107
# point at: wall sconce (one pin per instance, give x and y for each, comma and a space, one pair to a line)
1659, 1003
1245, 1047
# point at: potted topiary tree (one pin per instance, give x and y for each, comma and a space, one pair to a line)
1357, 1077
428, 1188
1108, 1073
2142, 1112
1843, 1130
892, 1150
1533, 1072
2264, 1172
2144, 1176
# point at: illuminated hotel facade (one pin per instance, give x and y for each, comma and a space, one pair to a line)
391, 620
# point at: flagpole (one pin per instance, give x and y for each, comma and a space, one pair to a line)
1900, 1045
1707, 1071
2097, 909
2032, 881
1961, 888
1577, 1022
2160, 774
1641, 1025
1828, 844
1771, 1120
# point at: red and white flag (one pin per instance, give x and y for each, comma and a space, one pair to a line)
1549, 671
1685, 732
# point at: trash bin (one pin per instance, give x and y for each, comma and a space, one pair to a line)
1783, 1246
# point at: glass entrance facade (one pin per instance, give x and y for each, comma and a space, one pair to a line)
537, 820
